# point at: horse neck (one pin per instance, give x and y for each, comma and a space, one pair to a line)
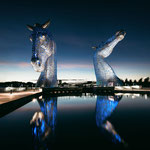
103, 70
105, 52
50, 71
50, 65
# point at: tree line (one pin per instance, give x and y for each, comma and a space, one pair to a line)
142, 82
17, 84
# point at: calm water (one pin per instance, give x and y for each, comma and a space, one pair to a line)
95, 122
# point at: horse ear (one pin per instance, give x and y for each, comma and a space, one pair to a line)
30, 27
46, 24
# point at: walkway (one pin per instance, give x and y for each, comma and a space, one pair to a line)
7, 97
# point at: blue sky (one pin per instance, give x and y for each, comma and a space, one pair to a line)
76, 27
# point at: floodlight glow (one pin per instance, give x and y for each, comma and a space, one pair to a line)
136, 86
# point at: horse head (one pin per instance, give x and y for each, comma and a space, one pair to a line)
120, 34
42, 45
106, 48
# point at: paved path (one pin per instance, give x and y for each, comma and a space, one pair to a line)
7, 97
132, 90
12, 105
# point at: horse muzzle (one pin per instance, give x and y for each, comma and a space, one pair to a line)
37, 65
121, 33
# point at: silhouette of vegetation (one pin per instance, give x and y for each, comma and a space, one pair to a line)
17, 84
127, 82
141, 82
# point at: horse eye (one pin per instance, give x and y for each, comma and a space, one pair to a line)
43, 37
31, 39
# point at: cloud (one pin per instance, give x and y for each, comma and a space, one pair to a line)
24, 64
60, 66
17, 64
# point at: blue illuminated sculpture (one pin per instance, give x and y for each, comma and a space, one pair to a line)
43, 123
49, 109
43, 55
105, 106
105, 75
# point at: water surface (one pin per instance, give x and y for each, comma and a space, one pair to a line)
120, 122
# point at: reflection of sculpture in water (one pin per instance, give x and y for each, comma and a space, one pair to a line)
105, 75
43, 55
43, 123
105, 105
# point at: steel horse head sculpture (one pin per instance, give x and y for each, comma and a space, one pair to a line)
105, 74
43, 54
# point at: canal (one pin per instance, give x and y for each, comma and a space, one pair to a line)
120, 121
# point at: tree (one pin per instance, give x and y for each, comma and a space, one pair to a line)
140, 81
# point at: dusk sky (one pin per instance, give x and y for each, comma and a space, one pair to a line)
76, 26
